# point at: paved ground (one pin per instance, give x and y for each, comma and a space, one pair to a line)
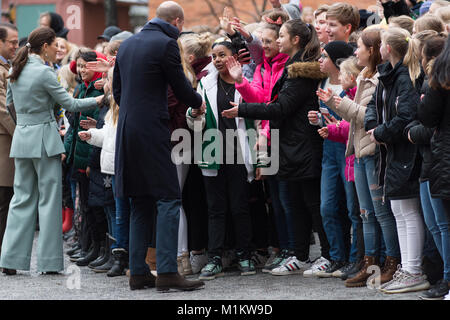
29, 285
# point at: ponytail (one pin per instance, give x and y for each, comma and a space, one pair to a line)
309, 42
404, 46
37, 38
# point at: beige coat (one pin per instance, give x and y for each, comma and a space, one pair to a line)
7, 127
353, 111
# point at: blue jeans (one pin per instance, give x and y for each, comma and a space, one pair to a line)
377, 216
143, 210
333, 176
437, 223
278, 212
110, 212
122, 220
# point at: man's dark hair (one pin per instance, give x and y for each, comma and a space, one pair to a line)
4, 26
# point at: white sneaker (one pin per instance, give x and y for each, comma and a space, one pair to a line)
198, 261
407, 282
320, 264
291, 266
447, 297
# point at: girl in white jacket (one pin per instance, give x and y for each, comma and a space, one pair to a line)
105, 138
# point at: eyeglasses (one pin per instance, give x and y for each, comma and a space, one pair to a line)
13, 42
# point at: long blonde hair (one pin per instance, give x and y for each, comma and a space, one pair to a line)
113, 112
402, 45
187, 68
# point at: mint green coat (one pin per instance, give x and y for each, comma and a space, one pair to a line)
35, 94
36, 148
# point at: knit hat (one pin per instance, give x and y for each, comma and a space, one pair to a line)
338, 51
425, 7
57, 24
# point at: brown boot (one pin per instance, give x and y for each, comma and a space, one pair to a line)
167, 281
389, 268
361, 277
142, 281
150, 259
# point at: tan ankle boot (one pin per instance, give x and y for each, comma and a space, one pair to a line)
150, 259
389, 268
361, 277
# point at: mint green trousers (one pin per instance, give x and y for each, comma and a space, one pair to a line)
37, 190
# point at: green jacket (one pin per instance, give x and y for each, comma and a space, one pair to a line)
77, 150
34, 95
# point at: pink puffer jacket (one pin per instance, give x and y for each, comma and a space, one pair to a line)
339, 133
264, 79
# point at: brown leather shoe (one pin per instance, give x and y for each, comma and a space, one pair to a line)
167, 281
142, 281
150, 259
361, 277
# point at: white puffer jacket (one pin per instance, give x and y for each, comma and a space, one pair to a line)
105, 138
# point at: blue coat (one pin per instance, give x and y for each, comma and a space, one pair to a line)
146, 63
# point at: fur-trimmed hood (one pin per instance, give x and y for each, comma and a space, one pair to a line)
306, 70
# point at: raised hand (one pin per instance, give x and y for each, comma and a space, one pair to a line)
101, 65
236, 23
99, 84
323, 95
313, 117
337, 101
234, 68
88, 124
244, 56
225, 22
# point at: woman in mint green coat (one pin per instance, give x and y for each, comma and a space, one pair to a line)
36, 149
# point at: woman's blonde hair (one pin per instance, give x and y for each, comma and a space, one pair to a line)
402, 45
404, 21
198, 45
443, 13
428, 22
350, 66
67, 78
187, 68
113, 47
113, 112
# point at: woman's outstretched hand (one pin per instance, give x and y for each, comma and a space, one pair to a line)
231, 113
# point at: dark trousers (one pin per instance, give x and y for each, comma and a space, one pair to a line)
301, 201
196, 209
446, 203
142, 217
228, 192
259, 215
6, 194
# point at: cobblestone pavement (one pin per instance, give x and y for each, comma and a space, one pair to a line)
30, 285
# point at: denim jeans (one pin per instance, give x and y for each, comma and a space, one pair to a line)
377, 217
437, 223
333, 177
110, 212
122, 220
278, 212
143, 210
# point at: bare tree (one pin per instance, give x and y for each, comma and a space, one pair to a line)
110, 13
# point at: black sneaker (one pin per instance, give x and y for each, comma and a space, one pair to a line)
212, 270
334, 266
438, 292
277, 261
247, 267
349, 269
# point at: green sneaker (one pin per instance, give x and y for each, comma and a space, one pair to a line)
212, 270
247, 267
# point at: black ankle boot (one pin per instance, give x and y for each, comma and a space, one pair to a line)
102, 258
142, 281
120, 262
91, 256
106, 266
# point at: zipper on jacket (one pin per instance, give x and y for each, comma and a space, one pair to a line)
383, 198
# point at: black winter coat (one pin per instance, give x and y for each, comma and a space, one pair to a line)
294, 94
392, 108
146, 64
100, 184
434, 112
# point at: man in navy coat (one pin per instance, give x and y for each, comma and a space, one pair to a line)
146, 63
